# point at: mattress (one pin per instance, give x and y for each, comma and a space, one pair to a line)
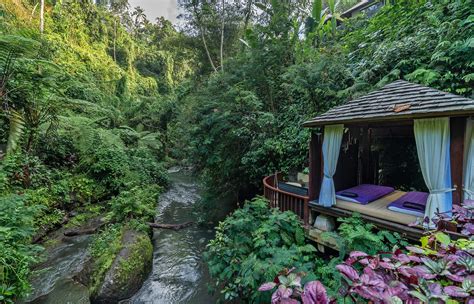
364, 193
379, 209
413, 203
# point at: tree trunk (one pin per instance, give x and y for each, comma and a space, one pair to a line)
201, 29
207, 50
248, 14
170, 226
115, 37
222, 35
42, 17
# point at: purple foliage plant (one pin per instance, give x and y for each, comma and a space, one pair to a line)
290, 291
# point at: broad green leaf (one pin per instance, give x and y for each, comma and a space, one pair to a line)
424, 241
316, 11
443, 238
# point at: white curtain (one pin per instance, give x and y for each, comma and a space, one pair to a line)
331, 147
469, 161
433, 145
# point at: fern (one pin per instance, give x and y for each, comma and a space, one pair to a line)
11, 48
252, 246
17, 125
355, 234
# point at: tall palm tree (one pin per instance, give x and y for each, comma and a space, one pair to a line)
42, 16
139, 16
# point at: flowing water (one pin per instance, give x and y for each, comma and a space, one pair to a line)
179, 274
53, 283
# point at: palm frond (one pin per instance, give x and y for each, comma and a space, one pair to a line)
17, 125
20, 46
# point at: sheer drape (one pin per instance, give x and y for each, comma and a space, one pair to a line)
469, 161
331, 147
433, 145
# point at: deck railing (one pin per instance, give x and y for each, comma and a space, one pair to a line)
285, 200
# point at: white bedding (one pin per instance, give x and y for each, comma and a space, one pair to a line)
410, 212
347, 199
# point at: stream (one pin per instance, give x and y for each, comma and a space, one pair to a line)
178, 275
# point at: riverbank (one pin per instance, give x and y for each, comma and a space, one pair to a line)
80, 268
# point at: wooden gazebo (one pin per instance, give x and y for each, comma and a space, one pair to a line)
395, 110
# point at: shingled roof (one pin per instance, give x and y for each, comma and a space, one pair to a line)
396, 101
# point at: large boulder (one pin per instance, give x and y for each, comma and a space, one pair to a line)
129, 269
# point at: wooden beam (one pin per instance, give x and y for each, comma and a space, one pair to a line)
458, 129
393, 131
316, 235
411, 233
364, 156
315, 164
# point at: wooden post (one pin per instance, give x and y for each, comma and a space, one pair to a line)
305, 212
315, 165
364, 156
457, 129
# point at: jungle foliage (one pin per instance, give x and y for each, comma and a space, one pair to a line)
252, 246
85, 111
96, 106
255, 244
246, 120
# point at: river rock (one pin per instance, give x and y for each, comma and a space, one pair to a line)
128, 271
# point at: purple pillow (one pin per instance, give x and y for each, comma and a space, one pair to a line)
412, 201
365, 193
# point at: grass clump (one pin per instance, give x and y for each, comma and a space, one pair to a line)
104, 248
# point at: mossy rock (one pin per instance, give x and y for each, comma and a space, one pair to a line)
128, 270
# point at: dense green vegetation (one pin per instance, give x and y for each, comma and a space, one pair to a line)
246, 119
85, 109
252, 246
255, 244
97, 105
16, 224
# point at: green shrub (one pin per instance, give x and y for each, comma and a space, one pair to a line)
354, 234
17, 253
436, 50
57, 151
73, 190
21, 170
85, 214
107, 162
138, 203
145, 168
252, 246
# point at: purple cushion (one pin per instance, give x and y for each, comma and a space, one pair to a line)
469, 202
365, 193
411, 201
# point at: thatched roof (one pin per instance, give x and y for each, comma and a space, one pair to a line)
399, 100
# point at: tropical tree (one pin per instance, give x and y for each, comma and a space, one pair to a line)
12, 48
139, 21
42, 16
218, 24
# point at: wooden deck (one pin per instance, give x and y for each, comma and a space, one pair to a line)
285, 200
300, 205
